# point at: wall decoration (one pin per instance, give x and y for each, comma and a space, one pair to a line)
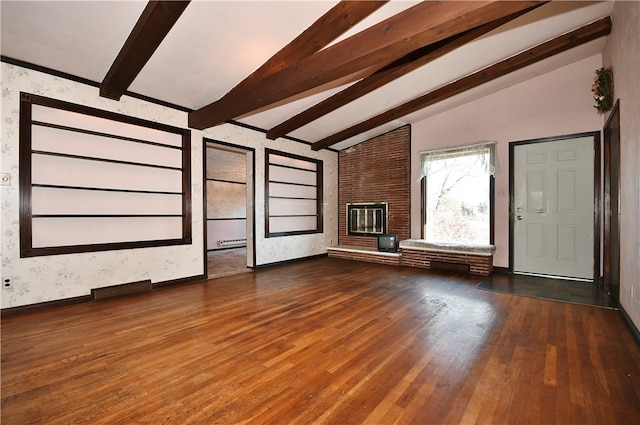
602, 89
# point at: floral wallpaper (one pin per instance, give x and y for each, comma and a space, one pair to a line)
48, 278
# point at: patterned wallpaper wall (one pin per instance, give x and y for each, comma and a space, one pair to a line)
41, 279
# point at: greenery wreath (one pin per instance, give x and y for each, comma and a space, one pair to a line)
602, 89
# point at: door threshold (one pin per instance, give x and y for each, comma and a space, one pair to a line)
550, 276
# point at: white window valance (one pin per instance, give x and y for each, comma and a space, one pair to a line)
491, 167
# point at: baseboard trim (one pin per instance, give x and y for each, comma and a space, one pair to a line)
182, 280
632, 327
501, 270
225, 248
46, 305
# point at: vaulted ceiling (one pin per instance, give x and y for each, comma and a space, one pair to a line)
330, 73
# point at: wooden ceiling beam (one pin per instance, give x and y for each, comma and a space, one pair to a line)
557, 45
155, 22
323, 31
397, 69
423, 24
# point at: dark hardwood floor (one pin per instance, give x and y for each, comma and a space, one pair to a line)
321, 341
565, 290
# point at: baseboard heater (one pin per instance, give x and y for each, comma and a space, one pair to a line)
446, 266
230, 243
119, 290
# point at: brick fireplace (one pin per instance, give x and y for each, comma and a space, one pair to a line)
374, 180
374, 172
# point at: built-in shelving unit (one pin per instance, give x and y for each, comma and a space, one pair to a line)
92, 180
293, 190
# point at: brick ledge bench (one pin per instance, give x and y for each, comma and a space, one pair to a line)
472, 258
359, 253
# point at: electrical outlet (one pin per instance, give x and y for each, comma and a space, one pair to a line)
7, 283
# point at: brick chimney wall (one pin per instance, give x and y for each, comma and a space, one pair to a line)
378, 170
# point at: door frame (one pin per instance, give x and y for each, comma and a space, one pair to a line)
611, 191
251, 210
597, 198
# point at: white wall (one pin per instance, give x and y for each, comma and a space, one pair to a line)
553, 104
47, 278
622, 54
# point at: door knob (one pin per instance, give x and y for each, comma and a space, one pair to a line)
519, 217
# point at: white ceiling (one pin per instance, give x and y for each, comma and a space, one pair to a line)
216, 44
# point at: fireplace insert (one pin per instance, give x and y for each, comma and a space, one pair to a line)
367, 219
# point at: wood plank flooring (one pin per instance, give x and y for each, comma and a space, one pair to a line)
569, 291
324, 341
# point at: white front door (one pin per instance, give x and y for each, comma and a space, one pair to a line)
553, 193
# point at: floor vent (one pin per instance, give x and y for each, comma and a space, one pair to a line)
119, 290
228, 243
449, 267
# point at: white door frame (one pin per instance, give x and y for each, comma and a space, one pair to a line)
597, 198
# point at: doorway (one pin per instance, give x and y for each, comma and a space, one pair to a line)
554, 184
229, 209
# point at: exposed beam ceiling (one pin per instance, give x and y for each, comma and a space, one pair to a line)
378, 46
560, 44
395, 70
327, 65
326, 29
154, 24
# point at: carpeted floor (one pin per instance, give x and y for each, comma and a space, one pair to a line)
227, 262
569, 291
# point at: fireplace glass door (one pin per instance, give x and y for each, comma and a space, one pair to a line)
367, 219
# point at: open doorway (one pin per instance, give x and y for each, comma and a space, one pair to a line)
229, 209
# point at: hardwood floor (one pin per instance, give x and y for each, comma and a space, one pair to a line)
569, 291
321, 341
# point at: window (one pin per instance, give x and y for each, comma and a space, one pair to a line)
93, 180
457, 194
293, 192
